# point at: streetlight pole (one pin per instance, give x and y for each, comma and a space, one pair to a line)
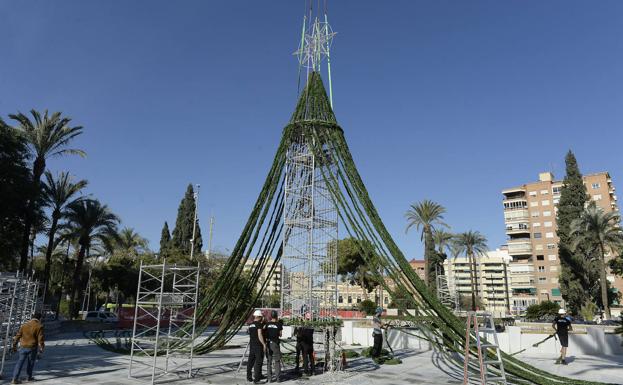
192, 240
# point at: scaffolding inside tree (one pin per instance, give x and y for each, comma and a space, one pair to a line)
165, 315
18, 301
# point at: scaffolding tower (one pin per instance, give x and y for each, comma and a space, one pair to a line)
18, 301
163, 333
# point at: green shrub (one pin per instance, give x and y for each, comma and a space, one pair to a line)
367, 306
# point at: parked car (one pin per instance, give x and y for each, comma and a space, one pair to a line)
101, 316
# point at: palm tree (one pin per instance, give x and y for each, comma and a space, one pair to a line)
130, 242
47, 136
601, 230
426, 216
443, 241
57, 194
472, 244
88, 220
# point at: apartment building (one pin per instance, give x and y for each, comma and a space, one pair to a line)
419, 266
274, 283
492, 279
530, 220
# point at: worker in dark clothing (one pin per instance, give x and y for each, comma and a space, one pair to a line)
31, 341
562, 325
257, 346
272, 333
377, 333
298, 333
307, 346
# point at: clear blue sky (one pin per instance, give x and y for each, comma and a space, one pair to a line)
447, 100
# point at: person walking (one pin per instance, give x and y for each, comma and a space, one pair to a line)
31, 341
377, 333
562, 325
257, 346
272, 333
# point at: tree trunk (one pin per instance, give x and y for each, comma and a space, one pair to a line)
429, 254
37, 170
76, 281
472, 273
48, 253
604, 282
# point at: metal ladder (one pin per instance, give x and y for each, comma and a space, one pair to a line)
488, 330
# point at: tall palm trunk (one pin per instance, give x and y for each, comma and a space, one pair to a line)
73, 309
428, 245
37, 171
604, 282
472, 277
62, 288
48, 253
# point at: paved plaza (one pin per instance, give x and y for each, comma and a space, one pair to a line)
72, 359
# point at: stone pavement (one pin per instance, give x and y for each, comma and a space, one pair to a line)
71, 359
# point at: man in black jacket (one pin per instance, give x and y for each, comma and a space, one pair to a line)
257, 346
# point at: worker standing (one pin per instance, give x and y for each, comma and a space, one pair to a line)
257, 346
31, 340
377, 333
272, 333
562, 325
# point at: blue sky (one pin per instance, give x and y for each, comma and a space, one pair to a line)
446, 100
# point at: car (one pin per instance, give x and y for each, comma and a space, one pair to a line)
100, 316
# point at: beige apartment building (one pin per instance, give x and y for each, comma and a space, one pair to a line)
492, 280
530, 219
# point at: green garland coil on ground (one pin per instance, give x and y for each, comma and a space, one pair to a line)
313, 121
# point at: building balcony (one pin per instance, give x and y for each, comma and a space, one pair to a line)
516, 215
519, 247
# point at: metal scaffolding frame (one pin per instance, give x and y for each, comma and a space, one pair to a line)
163, 333
18, 301
309, 261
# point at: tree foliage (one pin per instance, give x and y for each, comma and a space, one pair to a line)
352, 265
473, 244
183, 231
47, 136
14, 185
601, 232
578, 274
544, 310
426, 216
165, 240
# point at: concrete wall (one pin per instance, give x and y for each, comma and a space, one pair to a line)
594, 342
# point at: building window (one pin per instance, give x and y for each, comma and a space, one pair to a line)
542, 279
549, 235
544, 192
539, 247
553, 268
547, 224
540, 258
597, 197
541, 269
534, 204
532, 193
536, 224
545, 202
350, 299
547, 213
358, 299
554, 280
537, 235
556, 190
595, 186
551, 257
385, 300
340, 299
556, 200
551, 246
